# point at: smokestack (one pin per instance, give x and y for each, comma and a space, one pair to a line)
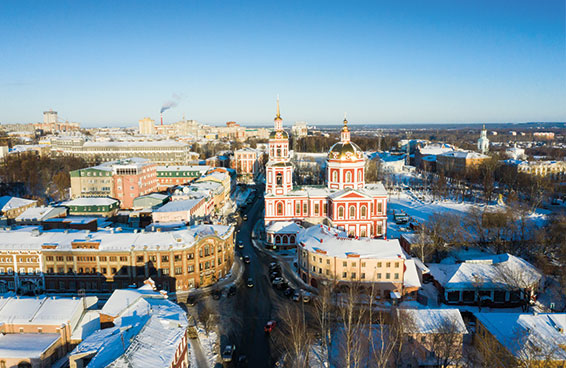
161, 116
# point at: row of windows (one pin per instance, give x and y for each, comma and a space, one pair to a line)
355, 264
20, 260
348, 178
30, 271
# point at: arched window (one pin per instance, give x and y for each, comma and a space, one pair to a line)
340, 212
363, 212
360, 175
292, 239
348, 177
285, 239
279, 209
334, 175
363, 232
279, 177
278, 152
352, 211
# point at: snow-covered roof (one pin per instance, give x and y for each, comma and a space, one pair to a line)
146, 333
283, 227
26, 345
165, 143
91, 201
201, 168
47, 311
435, 149
411, 276
500, 270
465, 155
25, 239
536, 337
8, 203
40, 213
179, 205
336, 244
122, 299
425, 321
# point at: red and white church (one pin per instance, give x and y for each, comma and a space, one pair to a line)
346, 202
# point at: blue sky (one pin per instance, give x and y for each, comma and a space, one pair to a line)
114, 62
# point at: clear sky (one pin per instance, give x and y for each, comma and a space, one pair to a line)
114, 62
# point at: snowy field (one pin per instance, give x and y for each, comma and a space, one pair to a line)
421, 207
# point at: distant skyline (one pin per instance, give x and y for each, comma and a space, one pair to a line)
111, 63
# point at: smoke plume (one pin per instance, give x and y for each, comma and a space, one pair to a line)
171, 103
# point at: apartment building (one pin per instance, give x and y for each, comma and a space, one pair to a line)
72, 260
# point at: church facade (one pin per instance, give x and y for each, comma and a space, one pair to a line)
346, 202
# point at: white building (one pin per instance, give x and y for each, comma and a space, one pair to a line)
483, 142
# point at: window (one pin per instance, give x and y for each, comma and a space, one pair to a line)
164, 258
114, 270
378, 264
363, 276
353, 275
123, 259
345, 264
177, 257
363, 264
190, 269
328, 261
103, 270
379, 207
102, 259
298, 209
396, 264
344, 274
348, 177
279, 209
316, 208
363, 212
396, 276
178, 270
139, 258
340, 212
190, 256
305, 208
352, 211
279, 178
334, 175
388, 264
165, 271
387, 276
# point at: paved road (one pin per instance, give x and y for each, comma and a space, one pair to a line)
252, 307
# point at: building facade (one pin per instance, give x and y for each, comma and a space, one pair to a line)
55, 261
345, 202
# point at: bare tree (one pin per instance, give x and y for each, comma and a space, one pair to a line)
351, 325
294, 337
447, 343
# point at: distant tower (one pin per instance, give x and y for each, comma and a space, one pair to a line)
50, 117
483, 142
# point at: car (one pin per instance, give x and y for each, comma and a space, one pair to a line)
242, 361
247, 259
277, 281
289, 292
232, 291
228, 353
296, 297
282, 285
274, 275
191, 301
250, 283
274, 267
245, 217
269, 326
240, 244
306, 298
216, 294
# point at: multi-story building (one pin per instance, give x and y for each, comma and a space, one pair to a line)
123, 179
553, 169
345, 202
168, 176
543, 135
146, 126
68, 261
166, 152
459, 161
327, 254
51, 124
246, 162
40, 331
300, 129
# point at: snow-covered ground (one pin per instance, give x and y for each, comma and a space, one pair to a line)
421, 207
208, 346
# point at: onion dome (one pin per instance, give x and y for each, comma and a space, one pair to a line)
345, 151
278, 134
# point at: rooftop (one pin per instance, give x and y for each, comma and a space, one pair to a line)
26, 345
9, 203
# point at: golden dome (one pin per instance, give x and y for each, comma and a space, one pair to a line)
278, 134
345, 151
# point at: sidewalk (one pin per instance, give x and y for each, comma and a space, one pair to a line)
235, 275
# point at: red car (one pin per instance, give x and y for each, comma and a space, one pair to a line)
270, 326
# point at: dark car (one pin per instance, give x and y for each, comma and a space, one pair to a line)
274, 275
232, 291
216, 294
247, 259
276, 281
191, 301
289, 292
296, 297
240, 244
282, 285
242, 361
228, 353
250, 283
245, 217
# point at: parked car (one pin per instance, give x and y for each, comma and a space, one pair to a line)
228, 353
277, 281
192, 301
274, 275
296, 297
240, 244
269, 326
289, 292
282, 285
250, 282
247, 259
306, 298
245, 217
242, 361
216, 294
232, 291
